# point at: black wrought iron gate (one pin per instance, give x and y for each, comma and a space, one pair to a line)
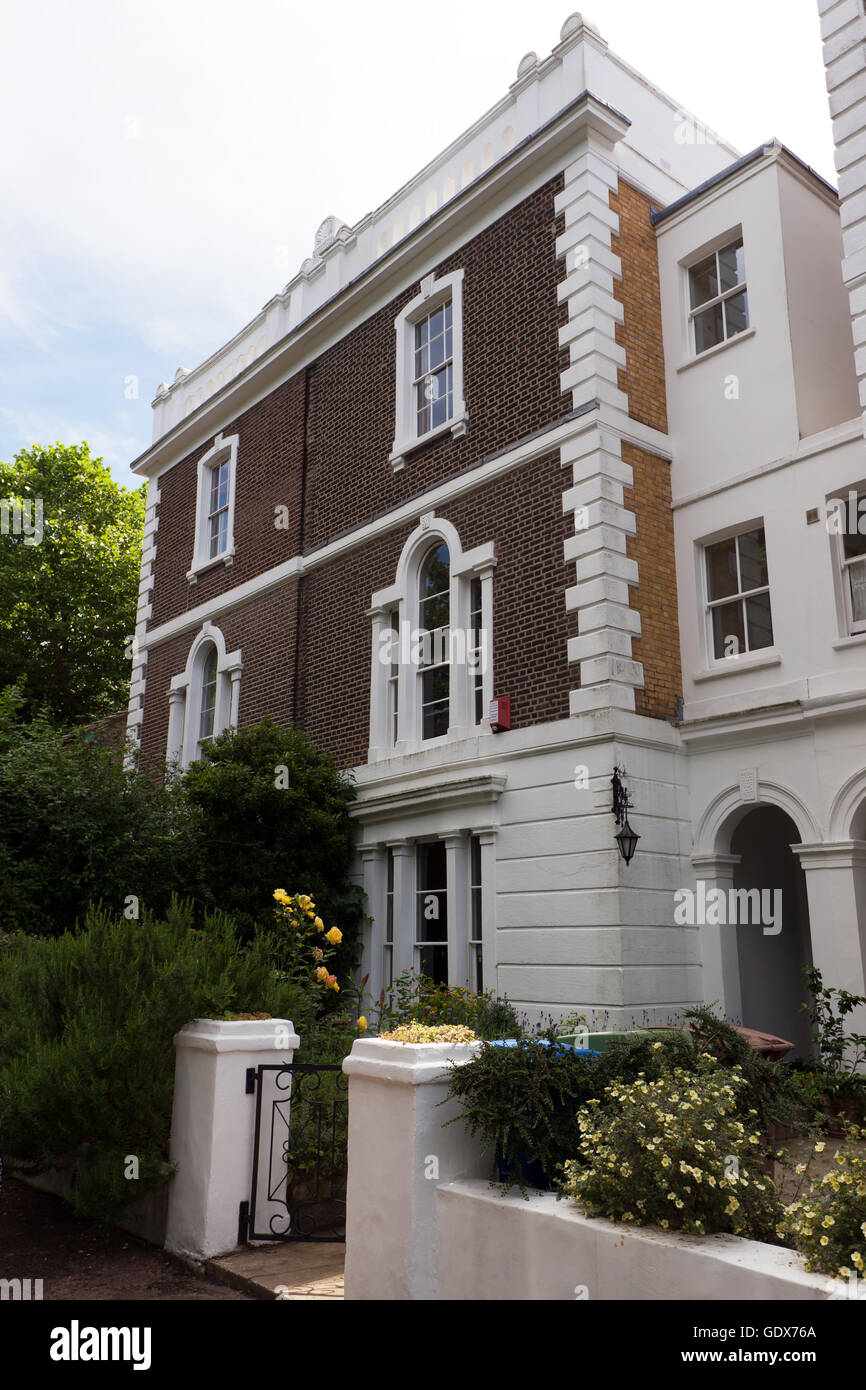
299, 1153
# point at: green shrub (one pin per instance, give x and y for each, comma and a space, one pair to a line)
86, 1054
767, 1087
415, 998
828, 1224
75, 828
524, 1101
669, 1151
254, 834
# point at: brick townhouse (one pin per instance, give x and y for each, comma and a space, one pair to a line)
467, 416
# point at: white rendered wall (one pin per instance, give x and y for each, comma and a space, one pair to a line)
574, 928
500, 1248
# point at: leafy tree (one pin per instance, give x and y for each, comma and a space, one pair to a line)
68, 590
273, 812
76, 828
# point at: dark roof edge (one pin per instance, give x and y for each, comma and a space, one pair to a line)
658, 215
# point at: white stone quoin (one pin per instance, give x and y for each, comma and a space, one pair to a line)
212, 1126
398, 1154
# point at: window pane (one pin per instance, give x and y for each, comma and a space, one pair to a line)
208, 696
432, 911
727, 624
437, 352
709, 328
753, 560
853, 542
436, 572
759, 621
433, 961
722, 569
736, 314
448, 314
437, 324
703, 281
732, 266
857, 580
434, 722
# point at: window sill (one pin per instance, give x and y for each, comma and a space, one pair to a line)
854, 639
227, 559
456, 426
407, 748
731, 665
719, 347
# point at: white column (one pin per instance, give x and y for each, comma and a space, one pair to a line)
399, 1152
404, 905
457, 899
379, 736
836, 885
176, 723
235, 696
486, 577
373, 936
488, 907
719, 953
212, 1128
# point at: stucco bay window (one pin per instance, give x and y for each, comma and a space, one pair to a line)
429, 366
431, 660
215, 506
431, 899
204, 698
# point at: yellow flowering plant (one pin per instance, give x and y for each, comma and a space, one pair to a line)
828, 1224
670, 1150
296, 914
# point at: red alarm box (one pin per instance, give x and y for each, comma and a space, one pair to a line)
500, 714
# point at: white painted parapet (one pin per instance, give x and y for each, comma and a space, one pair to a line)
398, 1153
501, 1247
212, 1124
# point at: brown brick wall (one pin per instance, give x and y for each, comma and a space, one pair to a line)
643, 378
641, 333
264, 630
511, 385
522, 512
655, 597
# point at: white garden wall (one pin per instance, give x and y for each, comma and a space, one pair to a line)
424, 1223
503, 1247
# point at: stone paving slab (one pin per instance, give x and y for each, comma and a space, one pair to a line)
299, 1270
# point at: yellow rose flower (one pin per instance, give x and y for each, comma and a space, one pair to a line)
335, 936
362, 1024
319, 924
322, 973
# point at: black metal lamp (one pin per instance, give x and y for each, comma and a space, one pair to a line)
627, 838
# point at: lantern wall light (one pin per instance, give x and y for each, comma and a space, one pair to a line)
626, 838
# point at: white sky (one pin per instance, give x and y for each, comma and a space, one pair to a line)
164, 164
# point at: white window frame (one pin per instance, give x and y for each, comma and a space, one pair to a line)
713, 248
185, 692
719, 662
433, 293
848, 627
387, 842
391, 608
223, 450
